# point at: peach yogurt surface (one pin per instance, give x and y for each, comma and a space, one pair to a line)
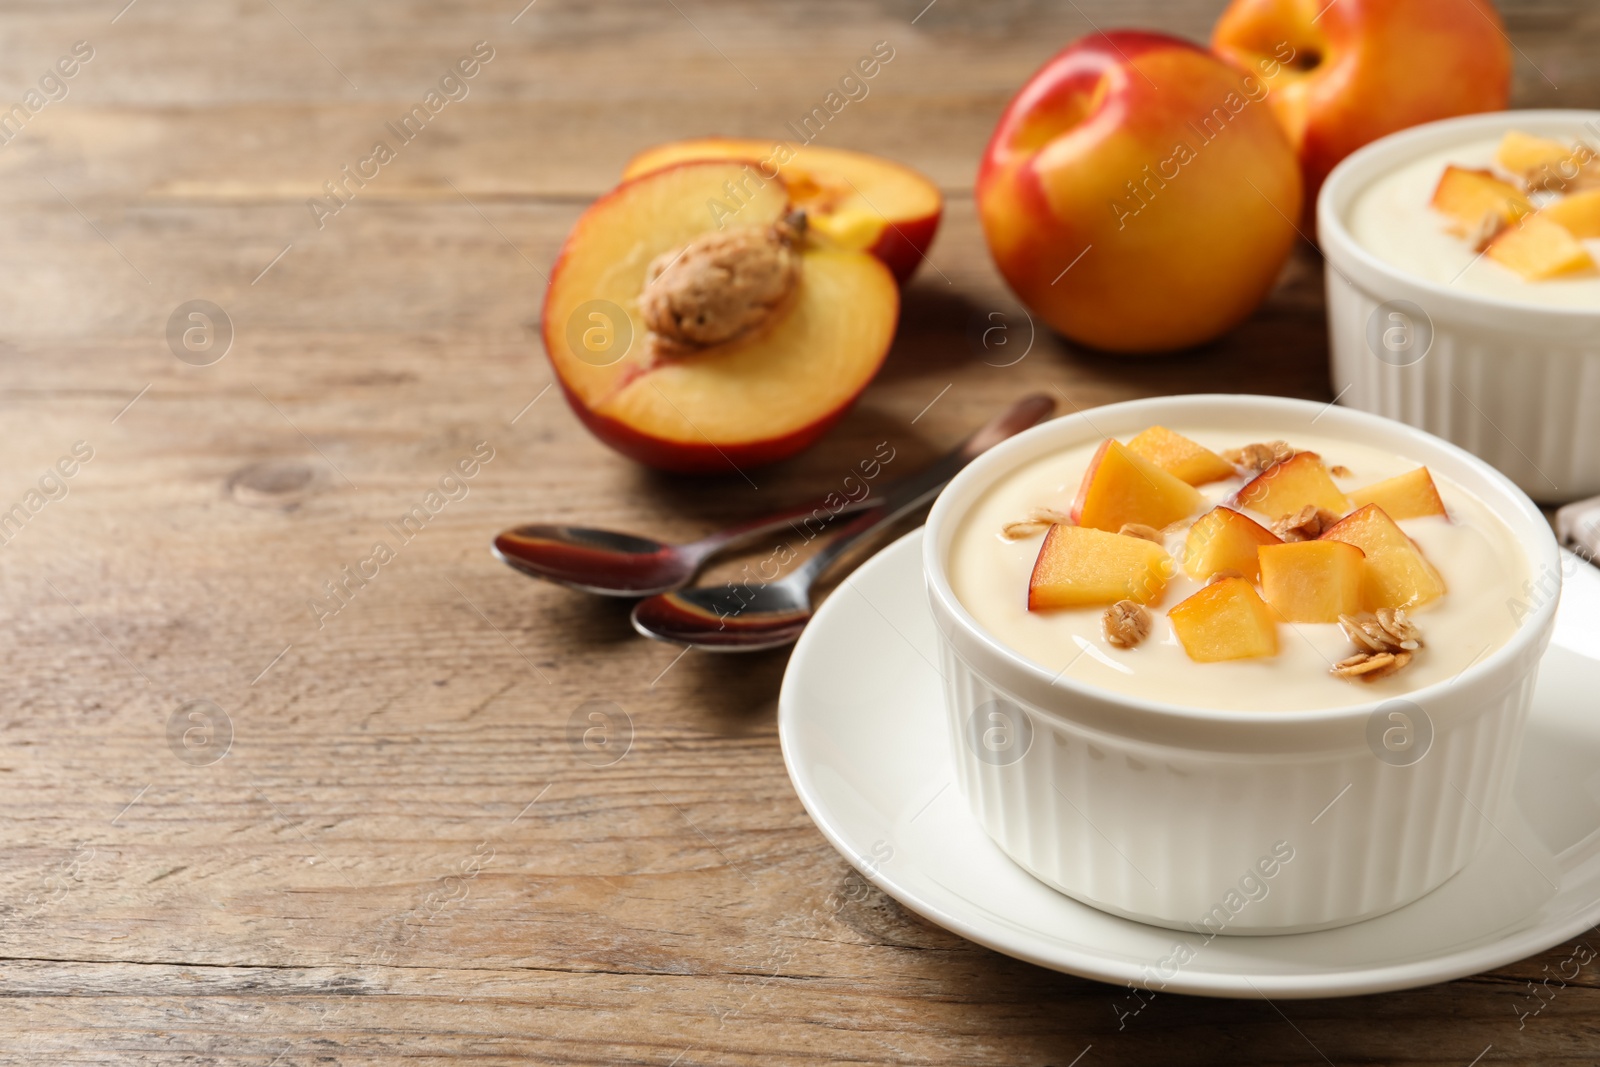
1397, 218
1264, 594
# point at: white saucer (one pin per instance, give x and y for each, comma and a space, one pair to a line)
864, 736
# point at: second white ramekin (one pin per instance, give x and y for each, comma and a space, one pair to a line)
1515, 384
1174, 815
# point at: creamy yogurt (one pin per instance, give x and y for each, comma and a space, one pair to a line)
1482, 565
1392, 219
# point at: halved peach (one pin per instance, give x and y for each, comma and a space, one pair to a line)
1079, 567
1405, 496
1540, 249
1397, 574
1180, 457
1225, 620
757, 397
1577, 213
1312, 581
1224, 540
1289, 486
1468, 195
854, 200
1121, 486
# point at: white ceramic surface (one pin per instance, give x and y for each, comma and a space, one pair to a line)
1515, 384
1161, 812
862, 723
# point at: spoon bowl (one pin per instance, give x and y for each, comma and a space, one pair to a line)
598, 561
727, 619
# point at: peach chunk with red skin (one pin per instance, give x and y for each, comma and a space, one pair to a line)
1312, 581
1397, 574
1225, 620
1224, 540
1120, 486
1180, 457
1468, 195
1081, 567
1405, 496
1289, 486
1540, 249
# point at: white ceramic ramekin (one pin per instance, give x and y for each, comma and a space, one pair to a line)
1225, 821
1514, 384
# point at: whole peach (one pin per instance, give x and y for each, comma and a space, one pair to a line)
1138, 193
1351, 71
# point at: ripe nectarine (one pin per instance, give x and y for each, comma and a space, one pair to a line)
694, 348
1138, 194
1342, 74
852, 199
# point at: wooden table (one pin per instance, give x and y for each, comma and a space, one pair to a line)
404, 854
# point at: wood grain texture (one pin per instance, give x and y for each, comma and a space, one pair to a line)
403, 856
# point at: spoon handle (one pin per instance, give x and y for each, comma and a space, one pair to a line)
817, 511
917, 489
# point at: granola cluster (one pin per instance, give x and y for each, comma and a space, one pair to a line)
1258, 457
1038, 520
1492, 225
1143, 532
1307, 524
1126, 624
1386, 639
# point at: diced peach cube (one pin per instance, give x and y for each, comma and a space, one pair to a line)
1312, 581
1405, 496
1468, 195
1542, 163
1224, 540
1287, 487
1225, 620
1397, 574
1122, 487
1578, 214
1540, 249
1080, 567
1521, 152
1180, 457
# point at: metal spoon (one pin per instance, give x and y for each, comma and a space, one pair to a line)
619, 564
748, 618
